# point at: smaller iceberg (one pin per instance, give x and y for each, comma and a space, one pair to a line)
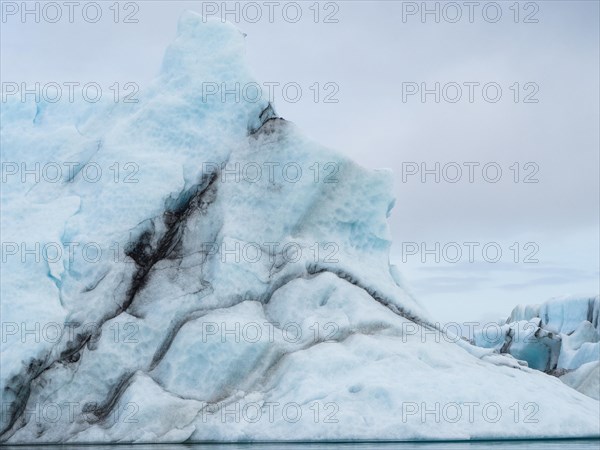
560, 337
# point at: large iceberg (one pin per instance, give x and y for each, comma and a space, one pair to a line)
238, 287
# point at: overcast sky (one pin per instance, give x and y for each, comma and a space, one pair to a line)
370, 51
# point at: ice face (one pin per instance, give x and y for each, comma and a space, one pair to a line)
213, 291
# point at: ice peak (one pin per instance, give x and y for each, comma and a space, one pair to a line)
204, 47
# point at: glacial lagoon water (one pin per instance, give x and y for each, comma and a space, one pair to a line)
555, 444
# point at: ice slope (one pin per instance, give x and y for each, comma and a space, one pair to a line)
222, 308
585, 378
559, 336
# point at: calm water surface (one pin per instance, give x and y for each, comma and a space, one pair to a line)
569, 444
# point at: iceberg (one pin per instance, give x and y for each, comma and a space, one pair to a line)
559, 337
225, 278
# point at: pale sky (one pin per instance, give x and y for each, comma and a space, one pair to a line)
368, 54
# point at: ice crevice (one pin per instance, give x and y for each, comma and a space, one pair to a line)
141, 251
145, 257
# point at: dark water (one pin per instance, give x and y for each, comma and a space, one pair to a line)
570, 444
